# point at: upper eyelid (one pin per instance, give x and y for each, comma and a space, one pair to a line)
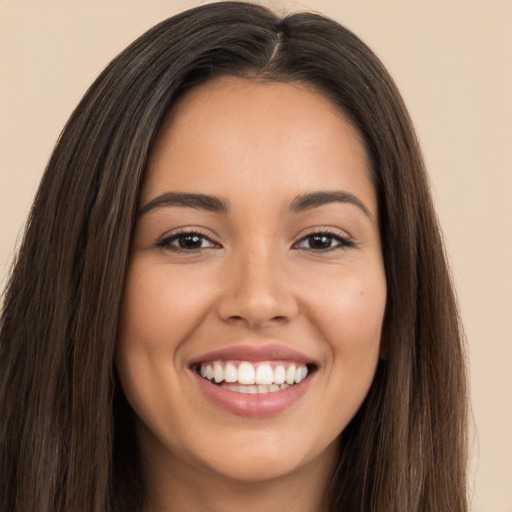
323, 229
166, 239
344, 240
189, 231
320, 230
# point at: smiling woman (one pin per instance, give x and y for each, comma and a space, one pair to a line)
280, 302
232, 294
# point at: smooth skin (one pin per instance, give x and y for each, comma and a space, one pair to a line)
261, 272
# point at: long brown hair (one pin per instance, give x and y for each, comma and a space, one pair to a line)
66, 437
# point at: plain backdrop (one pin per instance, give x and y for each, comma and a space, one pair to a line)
451, 59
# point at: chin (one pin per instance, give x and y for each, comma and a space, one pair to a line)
266, 456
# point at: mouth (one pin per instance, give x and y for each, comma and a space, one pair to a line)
254, 381
254, 377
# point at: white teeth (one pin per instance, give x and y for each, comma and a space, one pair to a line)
218, 372
260, 389
233, 387
246, 373
300, 374
230, 373
279, 374
290, 374
255, 378
264, 374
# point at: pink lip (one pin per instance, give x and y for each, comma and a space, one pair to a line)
253, 405
251, 353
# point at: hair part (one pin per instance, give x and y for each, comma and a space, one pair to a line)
67, 439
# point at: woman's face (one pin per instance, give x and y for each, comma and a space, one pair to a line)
255, 295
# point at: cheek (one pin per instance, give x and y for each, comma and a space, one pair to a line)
350, 313
159, 312
161, 307
353, 325
349, 316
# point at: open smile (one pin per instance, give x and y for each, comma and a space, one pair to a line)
252, 378
254, 381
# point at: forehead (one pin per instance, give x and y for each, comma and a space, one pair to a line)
232, 132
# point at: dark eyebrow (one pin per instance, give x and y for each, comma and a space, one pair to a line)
316, 199
181, 199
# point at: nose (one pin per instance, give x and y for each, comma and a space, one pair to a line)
256, 291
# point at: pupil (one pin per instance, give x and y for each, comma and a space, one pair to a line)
320, 242
190, 242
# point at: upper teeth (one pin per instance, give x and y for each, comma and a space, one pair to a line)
253, 373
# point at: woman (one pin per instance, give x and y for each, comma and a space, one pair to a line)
232, 293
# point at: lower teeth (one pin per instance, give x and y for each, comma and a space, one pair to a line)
254, 389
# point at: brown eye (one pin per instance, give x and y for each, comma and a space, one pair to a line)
190, 241
185, 242
320, 241
324, 241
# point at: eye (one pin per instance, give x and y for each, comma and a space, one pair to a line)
324, 241
186, 241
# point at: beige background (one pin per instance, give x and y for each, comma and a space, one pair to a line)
452, 61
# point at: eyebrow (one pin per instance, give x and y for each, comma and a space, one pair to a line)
215, 204
188, 200
317, 199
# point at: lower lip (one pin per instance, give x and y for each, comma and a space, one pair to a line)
255, 405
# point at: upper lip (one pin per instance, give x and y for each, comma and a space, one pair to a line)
270, 352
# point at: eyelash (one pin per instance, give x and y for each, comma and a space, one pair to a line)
166, 242
343, 242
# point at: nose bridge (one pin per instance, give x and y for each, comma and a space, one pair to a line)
258, 270
256, 290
